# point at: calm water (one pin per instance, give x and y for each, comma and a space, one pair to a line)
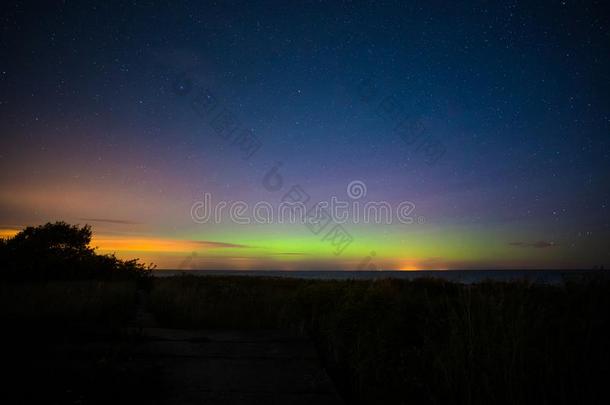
463, 276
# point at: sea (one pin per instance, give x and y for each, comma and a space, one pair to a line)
460, 276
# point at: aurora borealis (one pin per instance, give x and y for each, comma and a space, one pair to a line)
99, 126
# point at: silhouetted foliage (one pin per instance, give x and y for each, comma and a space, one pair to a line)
60, 251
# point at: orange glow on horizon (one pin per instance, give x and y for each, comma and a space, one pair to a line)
140, 244
8, 232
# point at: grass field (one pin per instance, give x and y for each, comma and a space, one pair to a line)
385, 341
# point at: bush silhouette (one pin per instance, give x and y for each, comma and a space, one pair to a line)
60, 251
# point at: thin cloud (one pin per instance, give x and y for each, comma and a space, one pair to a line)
212, 244
110, 221
539, 245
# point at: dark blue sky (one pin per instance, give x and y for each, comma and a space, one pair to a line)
512, 98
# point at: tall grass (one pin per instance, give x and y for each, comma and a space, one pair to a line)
426, 341
66, 305
64, 343
222, 302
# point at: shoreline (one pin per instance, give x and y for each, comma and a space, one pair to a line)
543, 276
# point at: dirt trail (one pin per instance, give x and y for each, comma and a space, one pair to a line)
231, 367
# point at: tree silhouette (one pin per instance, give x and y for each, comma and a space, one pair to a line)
61, 251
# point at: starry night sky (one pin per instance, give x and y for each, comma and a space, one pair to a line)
511, 101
